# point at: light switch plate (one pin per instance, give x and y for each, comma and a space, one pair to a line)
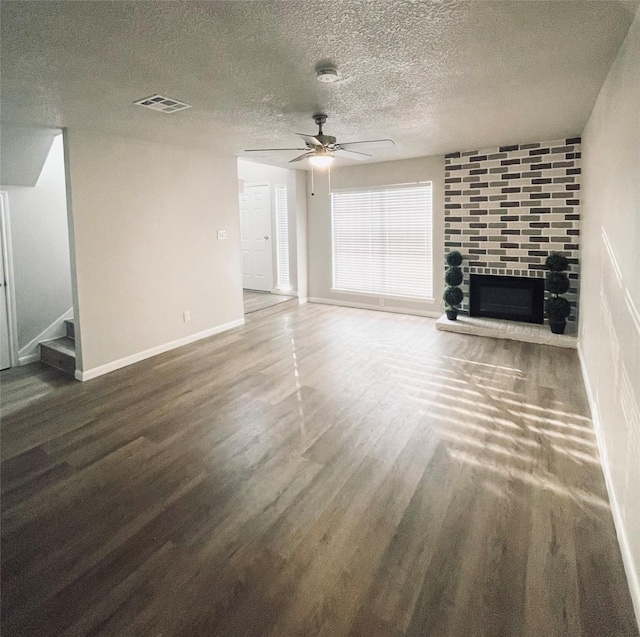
222, 234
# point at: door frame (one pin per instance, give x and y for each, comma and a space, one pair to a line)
7, 262
251, 184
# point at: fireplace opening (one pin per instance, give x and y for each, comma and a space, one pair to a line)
512, 298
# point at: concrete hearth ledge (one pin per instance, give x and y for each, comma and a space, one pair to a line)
511, 330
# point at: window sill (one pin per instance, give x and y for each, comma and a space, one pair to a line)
391, 297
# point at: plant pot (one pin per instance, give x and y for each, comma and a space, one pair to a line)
452, 315
557, 327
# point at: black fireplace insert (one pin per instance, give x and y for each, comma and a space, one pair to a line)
513, 298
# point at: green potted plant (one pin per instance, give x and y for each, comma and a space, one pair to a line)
557, 307
453, 295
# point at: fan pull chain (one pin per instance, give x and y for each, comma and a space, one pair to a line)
312, 187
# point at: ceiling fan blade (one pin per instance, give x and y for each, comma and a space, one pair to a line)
350, 154
265, 150
371, 143
310, 139
301, 157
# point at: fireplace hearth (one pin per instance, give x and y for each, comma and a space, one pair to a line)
511, 298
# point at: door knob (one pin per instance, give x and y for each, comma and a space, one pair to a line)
266, 236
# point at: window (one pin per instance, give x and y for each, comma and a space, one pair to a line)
282, 238
382, 241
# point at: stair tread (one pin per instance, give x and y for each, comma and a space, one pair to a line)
64, 344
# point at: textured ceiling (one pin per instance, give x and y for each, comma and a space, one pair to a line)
434, 76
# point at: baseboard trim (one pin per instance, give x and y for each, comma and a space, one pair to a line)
377, 308
154, 351
31, 358
303, 299
627, 559
283, 292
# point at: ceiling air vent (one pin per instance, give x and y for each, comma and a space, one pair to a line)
162, 104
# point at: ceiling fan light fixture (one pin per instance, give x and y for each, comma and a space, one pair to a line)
320, 149
321, 160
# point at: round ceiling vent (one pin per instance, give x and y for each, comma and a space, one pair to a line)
327, 74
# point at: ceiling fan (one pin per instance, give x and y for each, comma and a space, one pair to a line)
321, 149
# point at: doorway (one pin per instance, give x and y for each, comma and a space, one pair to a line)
8, 339
268, 200
255, 224
257, 249
37, 235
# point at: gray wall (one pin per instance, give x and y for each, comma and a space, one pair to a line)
40, 242
145, 218
610, 289
372, 175
24, 151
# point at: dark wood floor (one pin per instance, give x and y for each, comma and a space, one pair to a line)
321, 471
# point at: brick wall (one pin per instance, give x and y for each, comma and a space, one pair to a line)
507, 208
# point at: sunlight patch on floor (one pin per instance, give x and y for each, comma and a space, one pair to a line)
538, 481
490, 365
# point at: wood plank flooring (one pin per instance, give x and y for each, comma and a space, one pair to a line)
323, 471
254, 301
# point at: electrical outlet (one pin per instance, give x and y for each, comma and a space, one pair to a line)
381, 301
222, 234
186, 316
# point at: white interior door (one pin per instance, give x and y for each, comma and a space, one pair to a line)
5, 352
255, 222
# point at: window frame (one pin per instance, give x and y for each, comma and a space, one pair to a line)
386, 295
282, 246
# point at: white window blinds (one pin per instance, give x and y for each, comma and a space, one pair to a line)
282, 237
382, 241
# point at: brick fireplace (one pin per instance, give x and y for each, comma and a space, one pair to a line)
507, 208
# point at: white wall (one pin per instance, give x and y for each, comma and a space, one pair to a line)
610, 289
145, 218
251, 172
40, 242
371, 175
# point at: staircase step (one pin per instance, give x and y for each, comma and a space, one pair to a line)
70, 328
60, 353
